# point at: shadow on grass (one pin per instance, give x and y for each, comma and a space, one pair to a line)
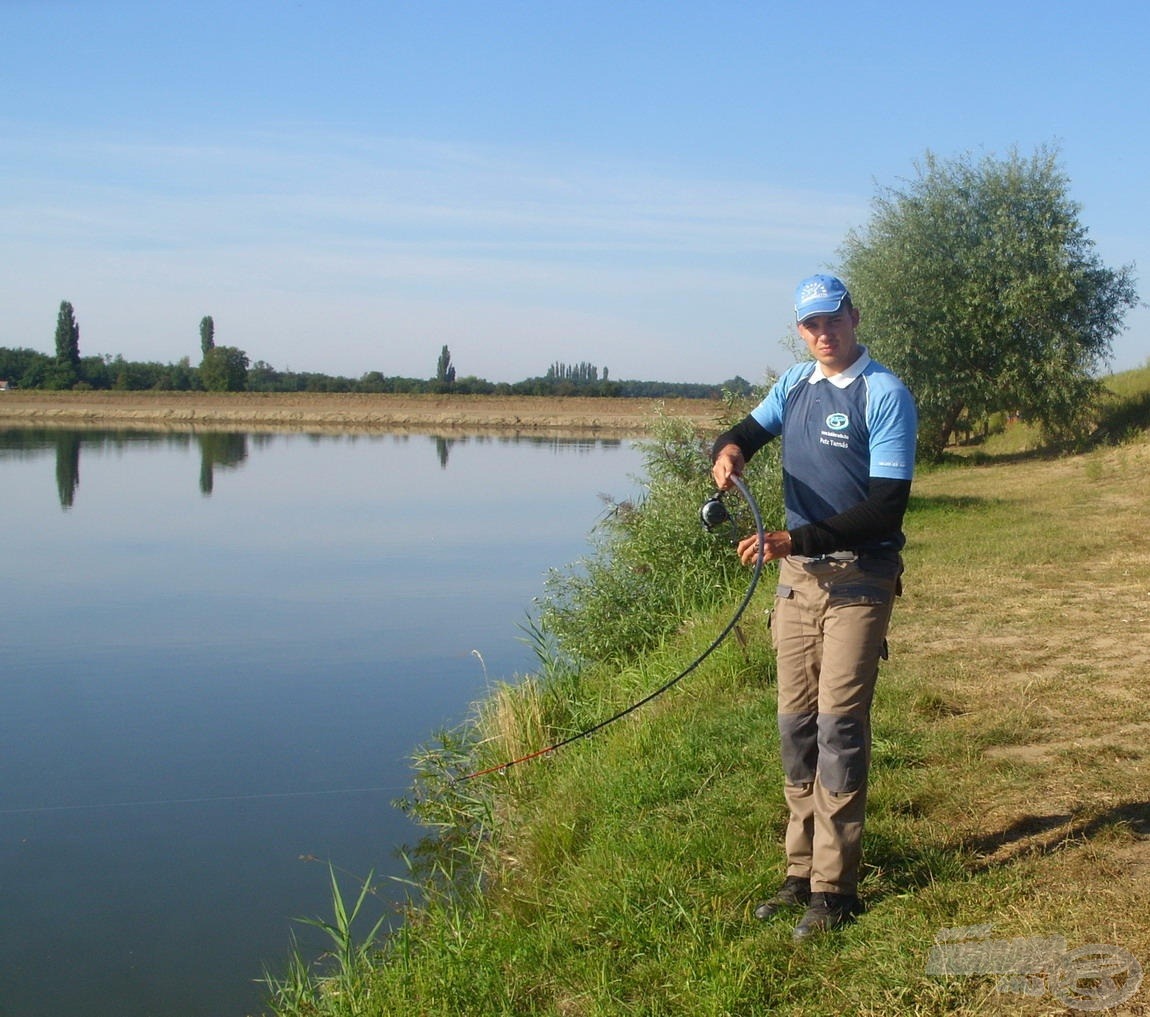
1041, 834
896, 865
981, 457
1123, 419
897, 862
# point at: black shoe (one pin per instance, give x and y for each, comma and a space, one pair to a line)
794, 893
827, 911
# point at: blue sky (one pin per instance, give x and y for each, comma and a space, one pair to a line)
346, 187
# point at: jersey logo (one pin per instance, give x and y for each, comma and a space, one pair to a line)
838, 422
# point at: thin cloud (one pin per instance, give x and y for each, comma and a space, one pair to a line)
370, 234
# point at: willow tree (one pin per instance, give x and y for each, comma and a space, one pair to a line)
981, 288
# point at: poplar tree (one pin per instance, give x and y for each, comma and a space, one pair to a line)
444, 370
207, 334
67, 336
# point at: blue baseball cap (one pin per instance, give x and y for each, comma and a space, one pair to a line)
819, 294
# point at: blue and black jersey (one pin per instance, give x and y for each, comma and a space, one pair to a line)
845, 439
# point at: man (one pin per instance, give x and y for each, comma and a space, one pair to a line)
848, 429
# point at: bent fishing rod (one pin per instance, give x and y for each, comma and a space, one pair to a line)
713, 514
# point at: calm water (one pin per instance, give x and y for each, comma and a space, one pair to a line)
218, 653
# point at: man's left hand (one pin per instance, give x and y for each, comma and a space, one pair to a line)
776, 544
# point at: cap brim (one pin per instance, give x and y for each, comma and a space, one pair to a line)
828, 306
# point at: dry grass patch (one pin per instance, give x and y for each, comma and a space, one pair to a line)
1035, 655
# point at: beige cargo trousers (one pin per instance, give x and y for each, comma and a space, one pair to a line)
829, 624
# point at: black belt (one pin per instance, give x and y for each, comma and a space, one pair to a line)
815, 559
844, 556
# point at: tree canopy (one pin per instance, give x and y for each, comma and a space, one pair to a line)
224, 369
64, 371
980, 287
207, 334
67, 335
444, 371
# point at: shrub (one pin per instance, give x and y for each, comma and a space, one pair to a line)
653, 563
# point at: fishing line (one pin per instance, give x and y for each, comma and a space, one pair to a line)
713, 514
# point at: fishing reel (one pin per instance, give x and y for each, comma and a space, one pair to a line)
713, 513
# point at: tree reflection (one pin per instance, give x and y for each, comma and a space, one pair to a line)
219, 448
443, 450
67, 466
226, 449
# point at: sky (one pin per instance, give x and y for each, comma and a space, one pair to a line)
348, 186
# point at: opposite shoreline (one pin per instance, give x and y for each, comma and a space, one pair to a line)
322, 411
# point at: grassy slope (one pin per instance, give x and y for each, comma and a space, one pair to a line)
1010, 786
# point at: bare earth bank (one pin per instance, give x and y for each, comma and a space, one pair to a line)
330, 411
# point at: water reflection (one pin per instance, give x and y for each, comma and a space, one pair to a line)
67, 467
226, 449
229, 449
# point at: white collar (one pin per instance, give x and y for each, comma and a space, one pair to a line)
843, 378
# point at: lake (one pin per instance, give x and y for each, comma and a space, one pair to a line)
219, 653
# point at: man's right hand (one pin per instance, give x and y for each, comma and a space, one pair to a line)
728, 463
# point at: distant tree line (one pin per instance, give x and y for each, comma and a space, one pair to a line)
228, 369
581, 373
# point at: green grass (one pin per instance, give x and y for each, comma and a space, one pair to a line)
1132, 384
617, 876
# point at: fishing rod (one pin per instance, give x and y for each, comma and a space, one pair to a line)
713, 514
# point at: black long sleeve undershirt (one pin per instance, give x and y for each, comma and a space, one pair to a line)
877, 515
